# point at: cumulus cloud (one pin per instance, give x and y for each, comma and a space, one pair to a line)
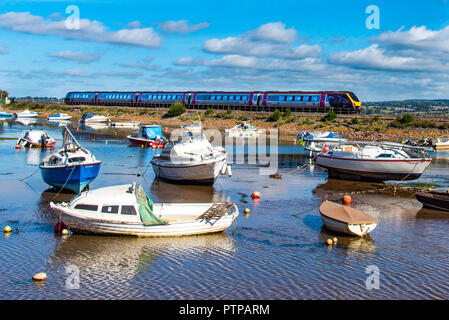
274, 31
181, 26
416, 38
134, 24
77, 56
141, 66
90, 30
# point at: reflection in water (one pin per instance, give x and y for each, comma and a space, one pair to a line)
364, 244
107, 261
426, 213
34, 156
166, 192
27, 121
52, 195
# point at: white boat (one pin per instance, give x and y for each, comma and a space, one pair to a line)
441, 144
127, 210
243, 130
91, 117
58, 117
26, 121
315, 142
35, 139
194, 127
379, 161
344, 219
26, 114
130, 124
192, 161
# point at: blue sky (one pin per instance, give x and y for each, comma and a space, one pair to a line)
231, 45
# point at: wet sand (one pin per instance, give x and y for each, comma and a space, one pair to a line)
278, 251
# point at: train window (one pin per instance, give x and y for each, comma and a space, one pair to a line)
290, 98
315, 98
225, 97
244, 98
272, 98
213, 97
239, 98
353, 96
219, 97
232, 98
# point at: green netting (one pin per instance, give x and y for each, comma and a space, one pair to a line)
146, 208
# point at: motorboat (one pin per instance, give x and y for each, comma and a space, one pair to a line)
379, 161
130, 124
194, 127
441, 144
344, 219
26, 114
127, 210
437, 200
5, 115
192, 161
91, 117
243, 130
148, 136
35, 139
72, 167
314, 142
59, 117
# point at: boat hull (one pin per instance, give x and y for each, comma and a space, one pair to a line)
74, 177
372, 169
433, 202
351, 229
146, 142
202, 174
177, 229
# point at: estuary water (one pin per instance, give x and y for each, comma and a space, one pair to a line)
278, 251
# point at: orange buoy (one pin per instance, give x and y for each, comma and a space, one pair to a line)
59, 227
347, 199
7, 229
165, 129
325, 149
329, 242
246, 211
256, 195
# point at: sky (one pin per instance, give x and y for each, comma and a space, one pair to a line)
398, 50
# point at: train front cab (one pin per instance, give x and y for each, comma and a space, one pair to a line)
343, 102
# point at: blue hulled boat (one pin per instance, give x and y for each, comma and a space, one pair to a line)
72, 167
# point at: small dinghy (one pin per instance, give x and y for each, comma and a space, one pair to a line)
59, 116
148, 136
194, 127
127, 210
35, 139
192, 161
71, 167
26, 114
344, 219
243, 130
91, 117
434, 199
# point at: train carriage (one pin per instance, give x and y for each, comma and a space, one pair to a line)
296, 101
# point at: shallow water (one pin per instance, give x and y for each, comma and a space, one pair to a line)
277, 252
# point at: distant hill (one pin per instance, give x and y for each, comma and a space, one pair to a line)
415, 104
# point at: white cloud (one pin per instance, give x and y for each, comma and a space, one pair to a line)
274, 31
134, 24
181, 26
77, 56
416, 38
90, 30
3, 49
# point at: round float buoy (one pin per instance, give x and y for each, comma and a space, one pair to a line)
325, 149
41, 276
7, 229
17, 146
246, 211
329, 242
165, 129
106, 142
347, 199
335, 240
138, 174
256, 195
64, 232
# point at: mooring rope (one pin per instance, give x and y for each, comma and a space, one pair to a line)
47, 206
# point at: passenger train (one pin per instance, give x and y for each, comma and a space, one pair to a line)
296, 101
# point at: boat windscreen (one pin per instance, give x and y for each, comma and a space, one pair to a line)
146, 208
153, 132
70, 143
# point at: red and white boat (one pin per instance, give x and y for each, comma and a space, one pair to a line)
35, 139
379, 161
148, 136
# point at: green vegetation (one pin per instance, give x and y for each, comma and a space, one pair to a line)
330, 116
209, 112
275, 116
229, 111
176, 109
3, 94
287, 113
